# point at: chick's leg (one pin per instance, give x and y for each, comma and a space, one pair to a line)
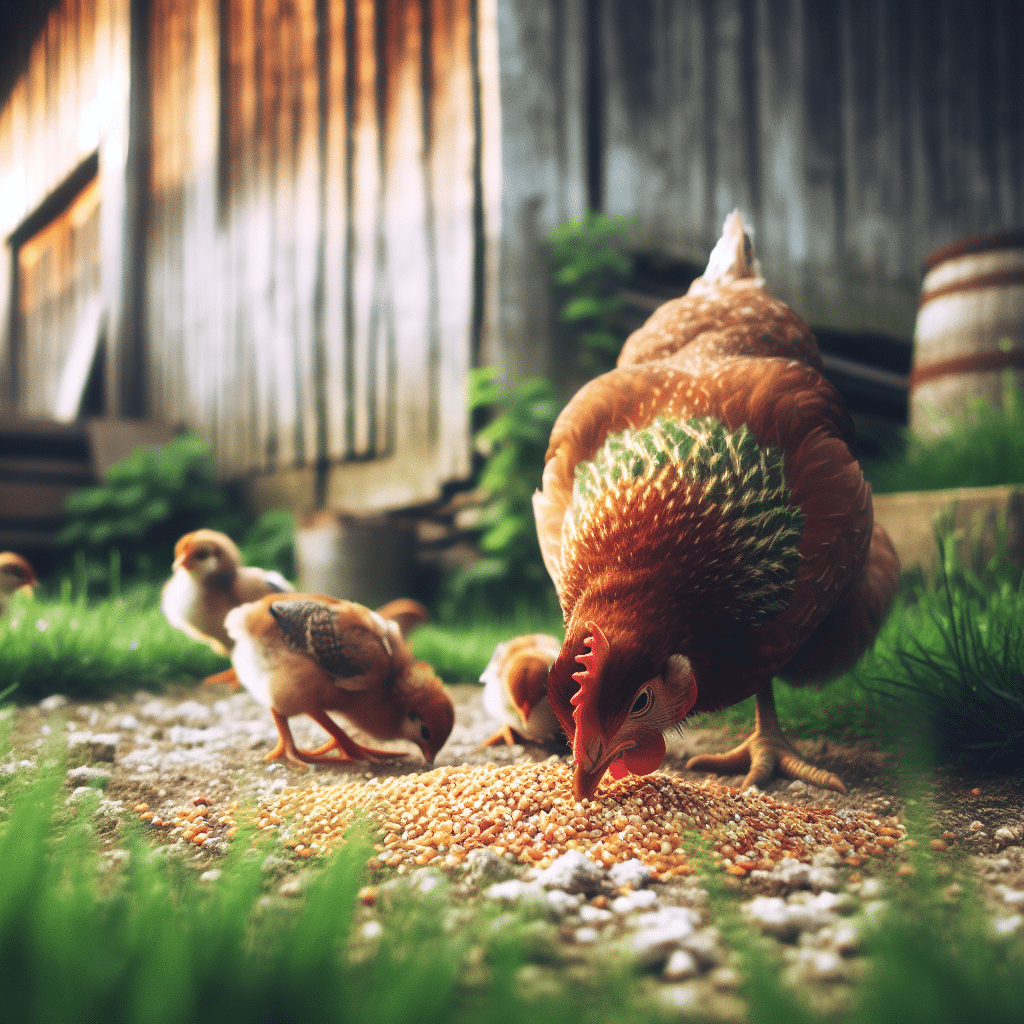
285, 744
506, 733
348, 749
766, 752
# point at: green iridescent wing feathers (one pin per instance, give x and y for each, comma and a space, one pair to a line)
736, 479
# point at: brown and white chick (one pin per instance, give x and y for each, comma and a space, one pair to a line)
209, 580
16, 575
516, 687
307, 654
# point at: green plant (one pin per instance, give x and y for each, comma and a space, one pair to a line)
514, 442
979, 451
589, 269
954, 666
147, 501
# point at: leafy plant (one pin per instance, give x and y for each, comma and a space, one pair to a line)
154, 496
514, 442
981, 450
147, 501
589, 270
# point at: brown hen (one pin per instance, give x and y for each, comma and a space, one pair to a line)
707, 528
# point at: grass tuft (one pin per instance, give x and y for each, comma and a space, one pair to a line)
97, 649
982, 450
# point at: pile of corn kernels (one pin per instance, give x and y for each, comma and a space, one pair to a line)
528, 811
197, 824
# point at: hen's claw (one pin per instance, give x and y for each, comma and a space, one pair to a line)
766, 753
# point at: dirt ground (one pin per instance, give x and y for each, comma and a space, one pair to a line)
164, 755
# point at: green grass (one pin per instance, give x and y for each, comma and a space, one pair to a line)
980, 451
87, 650
460, 650
147, 940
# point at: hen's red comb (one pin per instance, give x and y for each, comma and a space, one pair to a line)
583, 700
594, 660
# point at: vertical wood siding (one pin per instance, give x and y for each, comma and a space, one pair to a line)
857, 136
312, 248
66, 113
319, 225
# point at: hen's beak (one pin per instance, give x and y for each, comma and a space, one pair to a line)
592, 762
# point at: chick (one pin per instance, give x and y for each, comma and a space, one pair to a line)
208, 581
310, 654
16, 574
515, 689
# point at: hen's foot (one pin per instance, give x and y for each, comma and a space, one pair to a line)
766, 753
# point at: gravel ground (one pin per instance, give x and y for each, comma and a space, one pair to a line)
193, 757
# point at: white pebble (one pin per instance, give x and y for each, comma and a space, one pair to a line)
639, 900
564, 903
871, 888
681, 965
771, 915
595, 915
371, 930
572, 872
54, 701
586, 935
631, 872
1007, 927
1003, 835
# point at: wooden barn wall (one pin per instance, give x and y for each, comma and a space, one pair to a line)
857, 136
64, 120
323, 222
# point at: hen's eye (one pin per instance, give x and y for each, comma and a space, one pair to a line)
425, 732
642, 702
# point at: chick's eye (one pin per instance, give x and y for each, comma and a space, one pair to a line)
642, 702
425, 731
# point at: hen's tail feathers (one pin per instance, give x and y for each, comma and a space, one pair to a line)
732, 258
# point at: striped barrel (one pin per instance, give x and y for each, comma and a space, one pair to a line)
970, 328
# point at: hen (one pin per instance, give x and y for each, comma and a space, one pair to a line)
306, 654
707, 527
515, 689
207, 581
16, 574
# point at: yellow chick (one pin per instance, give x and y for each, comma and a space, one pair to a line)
207, 582
16, 574
515, 689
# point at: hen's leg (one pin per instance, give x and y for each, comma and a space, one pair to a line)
766, 752
348, 749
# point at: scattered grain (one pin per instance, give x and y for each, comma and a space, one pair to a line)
528, 810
